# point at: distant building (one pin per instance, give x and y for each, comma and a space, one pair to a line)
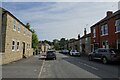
85, 42
44, 47
106, 32
82, 44
15, 37
74, 45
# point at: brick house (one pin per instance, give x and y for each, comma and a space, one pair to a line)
15, 37
106, 32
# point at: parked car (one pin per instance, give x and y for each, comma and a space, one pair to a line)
105, 55
50, 54
74, 53
65, 51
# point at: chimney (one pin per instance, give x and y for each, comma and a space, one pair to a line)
85, 31
109, 13
78, 36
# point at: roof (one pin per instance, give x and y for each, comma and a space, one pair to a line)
87, 35
107, 17
5, 11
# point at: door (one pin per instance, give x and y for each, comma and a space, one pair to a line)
23, 50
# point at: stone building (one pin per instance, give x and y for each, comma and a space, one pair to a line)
16, 39
85, 43
82, 44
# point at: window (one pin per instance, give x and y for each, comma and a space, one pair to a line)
18, 27
29, 45
14, 25
118, 44
13, 45
94, 32
104, 29
24, 31
105, 44
117, 24
18, 45
86, 40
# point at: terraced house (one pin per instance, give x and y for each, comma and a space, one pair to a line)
16, 38
106, 32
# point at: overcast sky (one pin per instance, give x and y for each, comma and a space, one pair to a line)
54, 20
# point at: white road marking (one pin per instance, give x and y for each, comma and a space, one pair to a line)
89, 66
41, 69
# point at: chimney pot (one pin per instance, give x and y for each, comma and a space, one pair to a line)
109, 13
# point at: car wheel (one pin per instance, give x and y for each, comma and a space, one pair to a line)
90, 58
104, 60
55, 58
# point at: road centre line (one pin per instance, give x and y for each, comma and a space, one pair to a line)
89, 66
41, 69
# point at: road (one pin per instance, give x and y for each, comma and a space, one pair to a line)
77, 67
64, 67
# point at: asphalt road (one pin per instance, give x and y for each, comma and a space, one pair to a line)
61, 68
110, 70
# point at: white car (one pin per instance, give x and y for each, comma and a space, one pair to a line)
74, 53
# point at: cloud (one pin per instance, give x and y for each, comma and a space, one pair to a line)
61, 1
60, 19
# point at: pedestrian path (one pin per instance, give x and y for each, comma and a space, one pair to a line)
25, 68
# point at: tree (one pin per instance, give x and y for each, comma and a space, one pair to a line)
34, 37
34, 41
28, 25
62, 43
56, 44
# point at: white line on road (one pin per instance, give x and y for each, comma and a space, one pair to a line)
89, 66
41, 69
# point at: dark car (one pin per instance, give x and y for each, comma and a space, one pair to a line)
105, 55
50, 54
65, 51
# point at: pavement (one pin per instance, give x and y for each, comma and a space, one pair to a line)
25, 68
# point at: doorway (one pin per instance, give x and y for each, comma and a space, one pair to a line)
23, 50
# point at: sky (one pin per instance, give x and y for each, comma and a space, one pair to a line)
56, 20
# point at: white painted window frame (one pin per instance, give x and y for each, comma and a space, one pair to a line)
18, 45
14, 44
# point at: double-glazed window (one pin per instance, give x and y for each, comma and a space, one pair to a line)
13, 45
117, 25
18, 27
94, 32
14, 25
104, 29
18, 45
24, 31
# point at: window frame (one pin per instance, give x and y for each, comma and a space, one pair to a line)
14, 25
19, 27
94, 32
117, 26
13, 45
18, 46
